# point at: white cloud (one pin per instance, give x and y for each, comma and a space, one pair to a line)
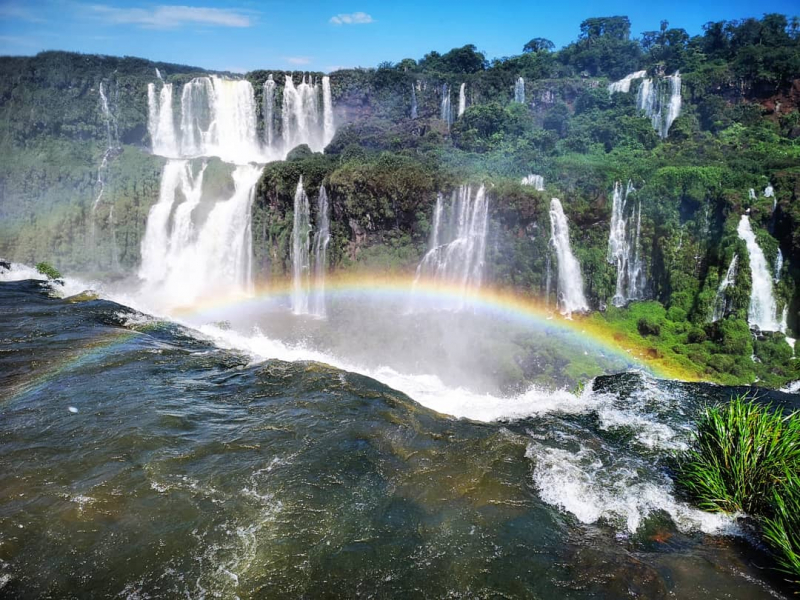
356, 18
14, 10
297, 60
170, 17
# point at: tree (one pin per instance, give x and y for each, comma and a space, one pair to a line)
539, 45
618, 28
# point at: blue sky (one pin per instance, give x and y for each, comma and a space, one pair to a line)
327, 34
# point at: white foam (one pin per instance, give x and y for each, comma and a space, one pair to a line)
592, 487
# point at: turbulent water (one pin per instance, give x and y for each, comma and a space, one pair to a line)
462, 99
142, 458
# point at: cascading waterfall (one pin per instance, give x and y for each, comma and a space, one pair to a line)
161, 122
721, 300
519, 91
661, 101
462, 99
624, 85
624, 247
301, 267
112, 136
414, 113
186, 251
322, 237
269, 112
536, 181
446, 111
778, 265
457, 248
300, 116
570, 281
327, 112
218, 117
751, 194
762, 312
177, 176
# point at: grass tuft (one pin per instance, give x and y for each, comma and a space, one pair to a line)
746, 458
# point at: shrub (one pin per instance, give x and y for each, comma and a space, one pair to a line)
48, 270
746, 458
648, 326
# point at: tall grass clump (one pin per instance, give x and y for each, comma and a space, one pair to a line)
745, 458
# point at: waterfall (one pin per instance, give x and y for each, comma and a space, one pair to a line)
269, 112
158, 74
660, 101
457, 248
570, 281
176, 177
193, 248
751, 194
320, 246
763, 310
218, 117
446, 112
769, 191
548, 280
111, 144
720, 307
519, 91
197, 116
300, 116
161, 122
413, 101
114, 249
778, 265
624, 247
301, 234
462, 99
327, 112
536, 181
624, 84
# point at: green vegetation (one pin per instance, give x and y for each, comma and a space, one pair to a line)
48, 271
746, 459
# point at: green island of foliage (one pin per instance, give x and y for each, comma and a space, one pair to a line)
739, 128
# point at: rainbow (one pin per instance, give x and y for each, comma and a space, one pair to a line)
493, 301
